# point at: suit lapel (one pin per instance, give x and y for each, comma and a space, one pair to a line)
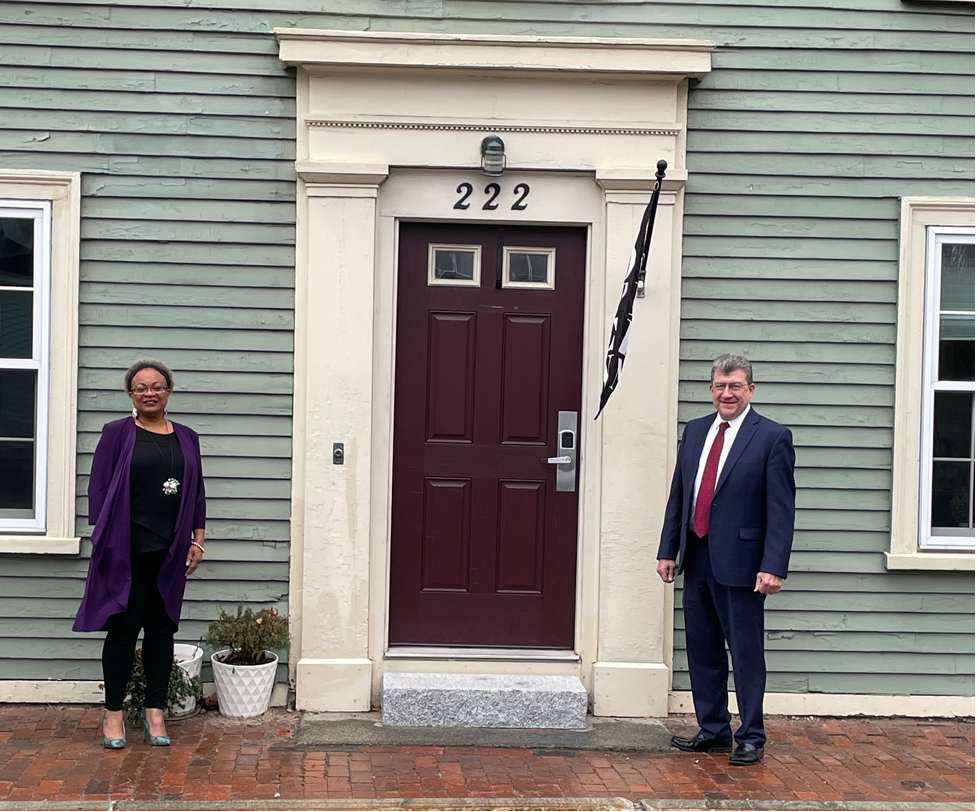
696, 442
743, 437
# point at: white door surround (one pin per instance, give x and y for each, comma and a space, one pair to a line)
389, 128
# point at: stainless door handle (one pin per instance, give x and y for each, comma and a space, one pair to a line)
557, 460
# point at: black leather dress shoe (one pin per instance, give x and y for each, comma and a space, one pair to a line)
702, 742
746, 754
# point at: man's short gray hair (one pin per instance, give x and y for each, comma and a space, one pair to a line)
729, 363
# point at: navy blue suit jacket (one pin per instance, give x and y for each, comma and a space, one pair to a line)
751, 523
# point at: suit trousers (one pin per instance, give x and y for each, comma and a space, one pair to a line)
717, 615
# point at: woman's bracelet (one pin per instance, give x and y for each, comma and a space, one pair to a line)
197, 545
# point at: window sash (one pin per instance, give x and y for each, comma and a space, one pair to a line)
40, 212
954, 539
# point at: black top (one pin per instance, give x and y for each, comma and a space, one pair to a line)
155, 458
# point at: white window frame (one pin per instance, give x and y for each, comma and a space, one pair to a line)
40, 212
549, 253
57, 196
476, 279
905, 552
936, 237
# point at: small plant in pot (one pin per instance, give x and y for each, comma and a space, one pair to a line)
180, 689
245, 666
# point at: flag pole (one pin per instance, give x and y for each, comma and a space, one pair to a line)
653, 205
634, 286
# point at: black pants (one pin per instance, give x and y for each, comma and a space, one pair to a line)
145, 610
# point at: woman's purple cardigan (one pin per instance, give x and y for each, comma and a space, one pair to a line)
109, 569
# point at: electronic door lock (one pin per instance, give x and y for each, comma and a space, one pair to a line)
566, 449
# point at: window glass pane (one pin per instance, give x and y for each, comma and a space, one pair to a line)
17, 397
16, 323
528, 268
16, 252
953, 424
957, 277
454, 264
16, 475
956, 361
952, 494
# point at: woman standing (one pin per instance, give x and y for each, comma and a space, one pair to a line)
146, 501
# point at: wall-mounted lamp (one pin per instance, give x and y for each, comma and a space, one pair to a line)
493, 156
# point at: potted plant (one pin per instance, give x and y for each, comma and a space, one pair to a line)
182, 692
245, 666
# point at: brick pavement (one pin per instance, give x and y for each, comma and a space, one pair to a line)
54, 753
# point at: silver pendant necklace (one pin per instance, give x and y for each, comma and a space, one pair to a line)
171, 485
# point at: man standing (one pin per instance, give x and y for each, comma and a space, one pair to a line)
729, 524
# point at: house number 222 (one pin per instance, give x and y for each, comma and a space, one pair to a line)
492, 191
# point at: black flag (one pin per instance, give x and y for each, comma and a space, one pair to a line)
618, 346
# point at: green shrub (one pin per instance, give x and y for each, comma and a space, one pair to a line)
248, 634
181, 687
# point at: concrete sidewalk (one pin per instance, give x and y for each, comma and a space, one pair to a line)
51, 758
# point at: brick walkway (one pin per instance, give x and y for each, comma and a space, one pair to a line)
54, 753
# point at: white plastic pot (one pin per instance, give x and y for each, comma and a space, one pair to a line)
189, 658
243, 690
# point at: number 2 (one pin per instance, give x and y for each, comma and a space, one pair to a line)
494, 189
524, 188
465, 190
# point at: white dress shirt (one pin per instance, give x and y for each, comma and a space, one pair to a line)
728, 438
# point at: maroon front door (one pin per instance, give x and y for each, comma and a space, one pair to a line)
489, 352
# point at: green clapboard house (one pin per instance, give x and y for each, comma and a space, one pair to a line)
235, 187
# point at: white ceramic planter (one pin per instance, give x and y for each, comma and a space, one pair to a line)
243, 690
189, 658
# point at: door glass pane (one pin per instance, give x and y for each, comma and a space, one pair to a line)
17, 402
16, 323
16, 252
953, 424
454, 264
533, 268
952, 494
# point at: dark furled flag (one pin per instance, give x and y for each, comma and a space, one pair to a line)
618, 346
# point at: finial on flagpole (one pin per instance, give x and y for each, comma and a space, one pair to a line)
652, 205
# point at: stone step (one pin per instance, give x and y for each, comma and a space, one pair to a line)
483, 700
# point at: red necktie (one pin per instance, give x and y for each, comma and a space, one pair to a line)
703, 501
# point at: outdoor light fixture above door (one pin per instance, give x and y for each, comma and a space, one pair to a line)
493, 156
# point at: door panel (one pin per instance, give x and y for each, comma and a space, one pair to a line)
525, 379
451, 377
483, 547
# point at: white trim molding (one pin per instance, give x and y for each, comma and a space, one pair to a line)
783, 704
678, 59
494, 128
917, 214
62, 190
88, 692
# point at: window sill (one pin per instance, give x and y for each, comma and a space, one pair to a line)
51, 545
963, 562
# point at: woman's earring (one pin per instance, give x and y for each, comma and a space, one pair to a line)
135, 412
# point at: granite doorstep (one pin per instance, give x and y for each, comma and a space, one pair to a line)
484, 700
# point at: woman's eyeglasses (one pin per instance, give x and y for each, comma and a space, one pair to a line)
156, 389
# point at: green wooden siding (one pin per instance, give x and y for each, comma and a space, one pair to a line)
818, 116
186, 141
